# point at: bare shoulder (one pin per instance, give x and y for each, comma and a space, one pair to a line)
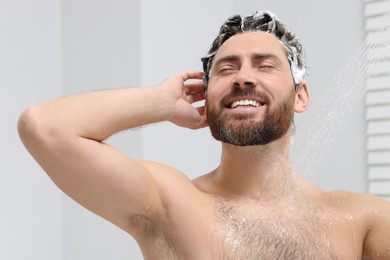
367, 204
372, 214
368, 207
171, 182
164, 172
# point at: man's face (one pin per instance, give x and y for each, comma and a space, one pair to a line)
250, 97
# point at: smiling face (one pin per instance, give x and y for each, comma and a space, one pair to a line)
250, 97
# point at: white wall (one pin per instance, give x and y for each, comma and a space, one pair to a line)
30, 71
108, 44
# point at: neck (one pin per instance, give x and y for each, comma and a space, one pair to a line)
256, 172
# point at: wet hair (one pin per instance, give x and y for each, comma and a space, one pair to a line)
264, 21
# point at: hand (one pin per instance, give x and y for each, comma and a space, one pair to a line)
184, 94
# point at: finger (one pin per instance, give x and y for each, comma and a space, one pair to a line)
195, 97
191, 74
194, 87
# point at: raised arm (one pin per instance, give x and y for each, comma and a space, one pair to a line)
65, 136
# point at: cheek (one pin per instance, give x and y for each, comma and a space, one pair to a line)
212, 93
218, 81
212, 101
279, 88
208, 100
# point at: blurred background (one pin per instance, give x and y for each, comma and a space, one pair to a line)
52, 48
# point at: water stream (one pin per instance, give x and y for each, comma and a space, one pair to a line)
319, 132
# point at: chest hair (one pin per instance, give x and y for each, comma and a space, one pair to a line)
276, 232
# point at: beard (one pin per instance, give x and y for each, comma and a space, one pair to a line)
245, 130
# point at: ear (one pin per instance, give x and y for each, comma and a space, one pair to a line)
302, 98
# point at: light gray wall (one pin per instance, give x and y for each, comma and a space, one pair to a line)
101, 50
107, 44
30, 71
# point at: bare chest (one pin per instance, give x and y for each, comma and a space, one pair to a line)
281, 232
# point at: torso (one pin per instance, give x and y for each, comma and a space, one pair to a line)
273, 232
212, 227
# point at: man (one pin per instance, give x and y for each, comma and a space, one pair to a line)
251, 206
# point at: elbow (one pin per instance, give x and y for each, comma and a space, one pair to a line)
26, 123
31, 126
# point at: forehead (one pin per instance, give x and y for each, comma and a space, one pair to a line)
247, 43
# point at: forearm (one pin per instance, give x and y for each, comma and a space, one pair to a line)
97, 115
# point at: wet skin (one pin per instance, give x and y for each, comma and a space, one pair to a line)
250, 207
308, 224
248, 210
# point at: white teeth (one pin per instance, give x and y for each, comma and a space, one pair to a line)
244, 103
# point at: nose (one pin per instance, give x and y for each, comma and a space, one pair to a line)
244, 79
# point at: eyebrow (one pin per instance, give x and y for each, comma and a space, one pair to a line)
227, 59
266, 56
254, 56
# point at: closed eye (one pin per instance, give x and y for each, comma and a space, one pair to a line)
266, 61
224, 70
265, 66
